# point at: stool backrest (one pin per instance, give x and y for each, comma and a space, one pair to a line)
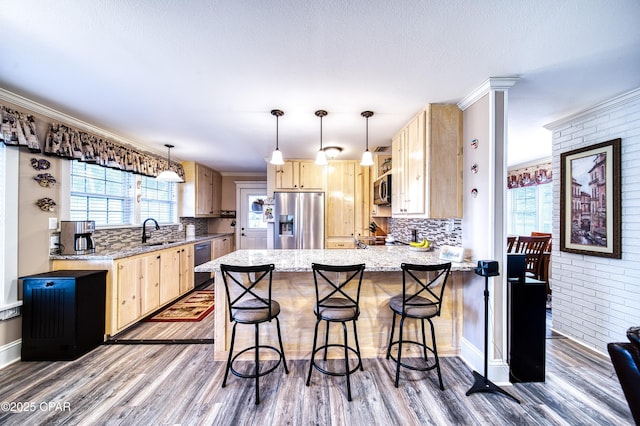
242, 283
427, 281
338, 281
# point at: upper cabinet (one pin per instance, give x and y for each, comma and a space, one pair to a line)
427, 165
201, 191
299, 175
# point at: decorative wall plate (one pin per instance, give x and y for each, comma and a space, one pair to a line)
40, 164
45, 180
46, 204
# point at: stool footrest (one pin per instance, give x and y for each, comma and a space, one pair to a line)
430, 366
336, 373
260, 374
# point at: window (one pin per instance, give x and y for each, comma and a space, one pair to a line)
157, 200
108, 197
101, 194
529, 209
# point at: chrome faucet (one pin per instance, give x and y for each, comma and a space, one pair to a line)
144, 228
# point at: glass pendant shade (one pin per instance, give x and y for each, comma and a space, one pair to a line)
169, 175
321, 158
276, 156
367, 158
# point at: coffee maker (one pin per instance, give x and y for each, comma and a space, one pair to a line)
76, 237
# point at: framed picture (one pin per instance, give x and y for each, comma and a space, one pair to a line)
590, 200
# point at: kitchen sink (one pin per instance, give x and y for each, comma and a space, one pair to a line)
158, 243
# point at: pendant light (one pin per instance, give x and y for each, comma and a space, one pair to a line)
321, 156
169, 175
276, 157
367, 157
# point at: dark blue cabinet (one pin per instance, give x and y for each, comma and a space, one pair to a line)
63, 314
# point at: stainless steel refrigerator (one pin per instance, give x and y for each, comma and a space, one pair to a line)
299, 220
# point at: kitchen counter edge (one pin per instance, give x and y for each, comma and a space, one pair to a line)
137, 250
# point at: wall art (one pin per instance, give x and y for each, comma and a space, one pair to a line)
590, 200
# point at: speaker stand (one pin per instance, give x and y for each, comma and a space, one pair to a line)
481, 383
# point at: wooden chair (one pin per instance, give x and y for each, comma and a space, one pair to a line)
510, 243
533, 249
543, 234
546, 257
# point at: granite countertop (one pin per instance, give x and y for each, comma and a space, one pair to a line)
134, 250
376, 258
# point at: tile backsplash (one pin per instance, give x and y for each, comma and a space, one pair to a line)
120, 238
439, 231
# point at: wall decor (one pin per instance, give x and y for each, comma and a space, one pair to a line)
590, 200
46, 204
18, 129
45, 180
40, 164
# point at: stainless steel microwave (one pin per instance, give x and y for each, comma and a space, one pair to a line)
382, 190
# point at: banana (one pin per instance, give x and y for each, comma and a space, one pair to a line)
422, 244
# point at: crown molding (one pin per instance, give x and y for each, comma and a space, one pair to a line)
38, 108
491, 84
616, 102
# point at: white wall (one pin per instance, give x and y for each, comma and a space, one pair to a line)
483, 225
596, 299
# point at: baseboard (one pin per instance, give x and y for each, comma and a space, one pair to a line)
10, 353
498, 370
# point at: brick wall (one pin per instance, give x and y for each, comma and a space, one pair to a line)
596, 299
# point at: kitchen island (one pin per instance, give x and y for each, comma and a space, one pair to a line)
293, 288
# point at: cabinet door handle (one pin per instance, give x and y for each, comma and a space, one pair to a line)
49, 284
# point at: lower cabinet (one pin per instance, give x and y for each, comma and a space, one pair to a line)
221, 246
139, 285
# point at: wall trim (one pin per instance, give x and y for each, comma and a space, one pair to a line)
10, 353
492, 83
61, 117
498, 370
597, 108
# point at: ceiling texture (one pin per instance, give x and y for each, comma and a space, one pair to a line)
204, 75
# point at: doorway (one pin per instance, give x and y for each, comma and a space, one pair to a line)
251, 231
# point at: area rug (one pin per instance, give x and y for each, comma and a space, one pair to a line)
193, 307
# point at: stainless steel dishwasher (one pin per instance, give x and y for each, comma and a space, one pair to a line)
202, 255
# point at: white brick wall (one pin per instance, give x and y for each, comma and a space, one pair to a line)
596, 299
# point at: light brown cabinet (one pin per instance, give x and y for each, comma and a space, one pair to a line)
139, 285
299, 175
221, 246
200, 194
186, 269
427, 165
347, 203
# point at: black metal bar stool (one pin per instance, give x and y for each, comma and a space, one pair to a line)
248, 290
337, 301
421, 298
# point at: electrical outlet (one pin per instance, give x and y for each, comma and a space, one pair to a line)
54, 241
180, 227
53, 223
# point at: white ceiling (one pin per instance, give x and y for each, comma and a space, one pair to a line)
204, 75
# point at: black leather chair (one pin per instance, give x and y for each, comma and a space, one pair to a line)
248, 291
626, 361
337, 301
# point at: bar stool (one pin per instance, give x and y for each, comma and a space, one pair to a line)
248, 290
337, 301
421, 298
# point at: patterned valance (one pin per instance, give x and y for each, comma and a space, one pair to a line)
528, 176
18, 129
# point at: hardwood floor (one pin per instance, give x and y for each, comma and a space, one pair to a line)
180, 384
